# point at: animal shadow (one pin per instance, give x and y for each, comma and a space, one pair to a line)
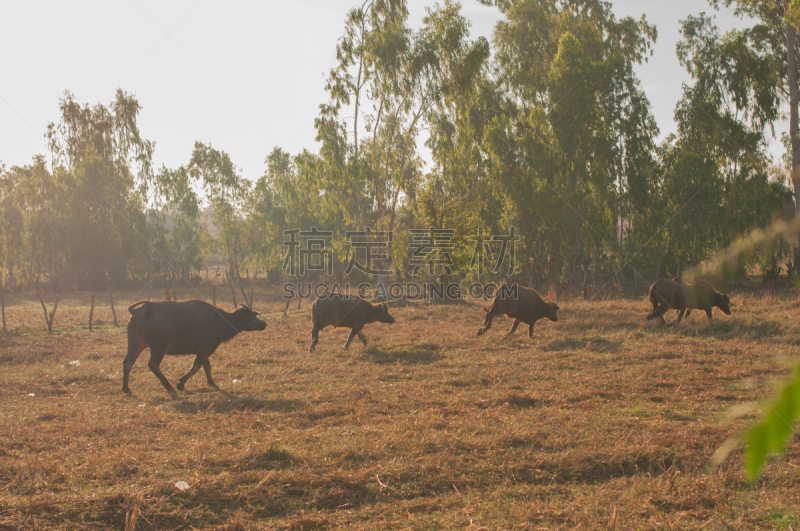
228, 402
416, 355
593, 344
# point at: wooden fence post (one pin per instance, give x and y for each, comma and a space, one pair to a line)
3, 301
91, 312
111, 301
214, 295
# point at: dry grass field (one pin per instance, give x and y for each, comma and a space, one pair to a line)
602, 420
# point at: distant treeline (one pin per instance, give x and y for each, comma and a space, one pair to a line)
546, 129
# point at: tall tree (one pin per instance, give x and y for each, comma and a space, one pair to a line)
772, 41
577, 134
228, 194
175, 234
104, 164
391, 78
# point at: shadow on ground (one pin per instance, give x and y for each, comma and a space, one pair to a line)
227, 402
415, 355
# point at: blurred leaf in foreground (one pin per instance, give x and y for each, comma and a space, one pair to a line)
772, 434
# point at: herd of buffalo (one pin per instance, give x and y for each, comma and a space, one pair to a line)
197, 327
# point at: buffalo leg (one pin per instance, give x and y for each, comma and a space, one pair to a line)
199, 361
135, 347
530, 330
314, 338
156, 355
207, 368
658, 312
353, 334
185, 378
654, 313
680, 316
688, 312
513, 329
288, 302
708, 313
487, 324
362, 337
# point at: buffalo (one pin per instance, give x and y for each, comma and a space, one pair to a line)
522, 304
182, 328
346, 311
679, 294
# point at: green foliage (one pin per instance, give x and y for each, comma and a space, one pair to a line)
397, 82
572, 146
546, 130
176, 238
80, 224
227, 194
772, 434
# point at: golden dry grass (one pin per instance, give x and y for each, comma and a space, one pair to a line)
602, 420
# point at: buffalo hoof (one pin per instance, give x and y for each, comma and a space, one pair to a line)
481, 332
127, 392
180, 386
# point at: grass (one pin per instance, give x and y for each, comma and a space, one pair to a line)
601, 420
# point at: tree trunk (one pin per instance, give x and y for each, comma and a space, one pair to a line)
794, 127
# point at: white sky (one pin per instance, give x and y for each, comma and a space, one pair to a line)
241, 76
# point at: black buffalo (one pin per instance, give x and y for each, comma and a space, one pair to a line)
522, 304
182, 328
345, 311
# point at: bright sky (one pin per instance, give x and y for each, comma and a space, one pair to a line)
242, 76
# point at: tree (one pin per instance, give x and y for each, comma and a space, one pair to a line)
771, 42
175, 233
392, 78
573, 149
103, 169
228, 194
723, 118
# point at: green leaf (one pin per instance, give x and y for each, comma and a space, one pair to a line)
772, 434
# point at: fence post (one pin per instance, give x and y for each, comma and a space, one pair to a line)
214, 295
91, 312
111, 300
3, 301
